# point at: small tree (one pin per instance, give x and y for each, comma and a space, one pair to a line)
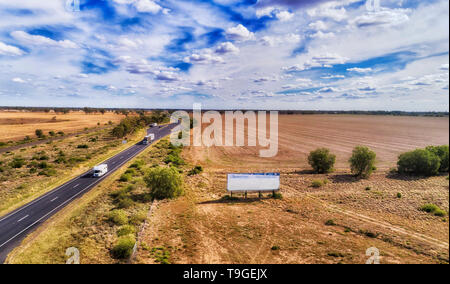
443, 153
419, 162
39, 133
362, 161
164, 183
321, 160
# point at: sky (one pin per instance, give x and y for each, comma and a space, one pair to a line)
238, 54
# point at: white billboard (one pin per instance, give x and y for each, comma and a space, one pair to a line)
253, 182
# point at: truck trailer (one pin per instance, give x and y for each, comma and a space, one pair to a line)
100, 170
148, 139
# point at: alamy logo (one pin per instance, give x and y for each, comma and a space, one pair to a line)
214, 134
374, 256
373, 5
73, 5
74, 256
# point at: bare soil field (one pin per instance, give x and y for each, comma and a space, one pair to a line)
388, 136
16, 126
336, 223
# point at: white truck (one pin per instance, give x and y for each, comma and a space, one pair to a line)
100, 170
153, 124
148, 139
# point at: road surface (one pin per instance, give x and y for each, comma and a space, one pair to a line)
15, 226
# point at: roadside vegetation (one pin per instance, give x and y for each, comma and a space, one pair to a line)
130, 124
105, 227
28, 172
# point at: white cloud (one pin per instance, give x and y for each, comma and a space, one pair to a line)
322, 35
38, 40
147, 6
385, 17
444, 67
18, 80
281, 40
326, 11
205, 57
239, 33
284, 16
318, 26
10, 50
360, 70
227, 47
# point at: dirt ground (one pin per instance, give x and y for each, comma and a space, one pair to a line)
17, 125
336, 223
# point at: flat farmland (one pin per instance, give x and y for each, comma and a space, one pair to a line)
16, 126
335, 223
388, 136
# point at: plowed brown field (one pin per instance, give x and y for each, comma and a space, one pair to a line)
388, 136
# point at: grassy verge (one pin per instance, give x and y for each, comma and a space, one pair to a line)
87, 225
39, 189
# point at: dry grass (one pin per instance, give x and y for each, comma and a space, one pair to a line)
84, 225
336, 223
16, 126
202, 228
19, 186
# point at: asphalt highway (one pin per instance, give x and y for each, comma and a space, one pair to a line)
15, 226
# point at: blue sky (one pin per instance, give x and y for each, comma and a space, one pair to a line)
267, 54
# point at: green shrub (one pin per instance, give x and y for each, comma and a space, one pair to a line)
362, 161
443, 153
368, 188
125, 178
138, 165
317, 183
275, 248
48, 173
125, 202
330, 223
124, 247
399, 195
2, 169
419, 162
131, 172
174, 159
118, 217
138, 218
195, 171
434, 209
39, 133
122, 192
126, 230
321, 160
83, 146
164, 183
276, 195
17, 163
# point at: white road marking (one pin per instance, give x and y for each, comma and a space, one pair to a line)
76, 186
20, 220
61, 205
53, 199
